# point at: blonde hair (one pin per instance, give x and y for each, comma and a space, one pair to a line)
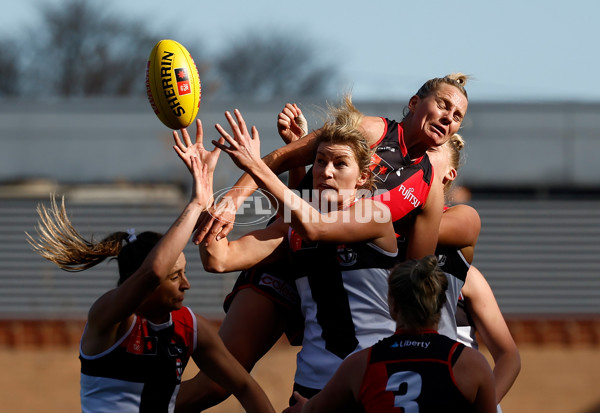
342, 127
418, 290
59, 242
458, 80
456, 143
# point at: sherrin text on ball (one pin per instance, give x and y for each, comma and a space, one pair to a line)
173, 84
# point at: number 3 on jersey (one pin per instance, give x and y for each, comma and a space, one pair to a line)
406, 386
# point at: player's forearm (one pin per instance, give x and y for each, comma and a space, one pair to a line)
163, 256
506, 369
253, 398
294, 155
214, 256
294, 210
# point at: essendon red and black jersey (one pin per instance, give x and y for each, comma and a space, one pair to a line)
413, 373
401, 183
142, 371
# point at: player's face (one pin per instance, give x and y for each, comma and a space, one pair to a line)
438, 116
336, 174
440, 160
169, 295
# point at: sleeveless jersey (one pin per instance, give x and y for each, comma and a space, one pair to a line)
465, 326
413, 372
455, 266
401, 183
343, 296
142, 371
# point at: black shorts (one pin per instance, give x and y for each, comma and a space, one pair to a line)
276, 282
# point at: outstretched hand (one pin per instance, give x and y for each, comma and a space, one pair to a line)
291, 123
215, 223
244, 149
202, 192
186, 149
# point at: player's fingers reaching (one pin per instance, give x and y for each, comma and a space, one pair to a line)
177, 140
179, 146
225, 137
225, 230
186, 137
202, 227
255, 135
199, 133
241, 122
235, 129
219, 227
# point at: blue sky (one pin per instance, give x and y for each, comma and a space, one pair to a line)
515, 49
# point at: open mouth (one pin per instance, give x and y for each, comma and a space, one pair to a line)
441, 130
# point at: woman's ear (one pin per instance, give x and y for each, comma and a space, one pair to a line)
412, 103
363, 179
450, 175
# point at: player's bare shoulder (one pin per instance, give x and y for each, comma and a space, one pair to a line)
373, 127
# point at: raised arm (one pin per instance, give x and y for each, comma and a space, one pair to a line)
491, 326
292, 125
219, 222
260, 246
459, 227
119, 304
423, 236
365, 220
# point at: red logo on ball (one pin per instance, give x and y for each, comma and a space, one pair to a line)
183, 82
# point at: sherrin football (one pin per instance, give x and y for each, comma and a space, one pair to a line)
173, 84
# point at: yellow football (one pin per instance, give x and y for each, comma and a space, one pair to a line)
173, 84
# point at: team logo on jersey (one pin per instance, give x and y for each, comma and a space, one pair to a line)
441, 260
178, 369
380, 168
346, 256
139, 342
177, 349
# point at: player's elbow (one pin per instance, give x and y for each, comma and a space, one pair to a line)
215, 266
310, 233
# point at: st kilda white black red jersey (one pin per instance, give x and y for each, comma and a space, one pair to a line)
343, 298
455, 266
142, 371
465, 326
413, 373
403, 184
